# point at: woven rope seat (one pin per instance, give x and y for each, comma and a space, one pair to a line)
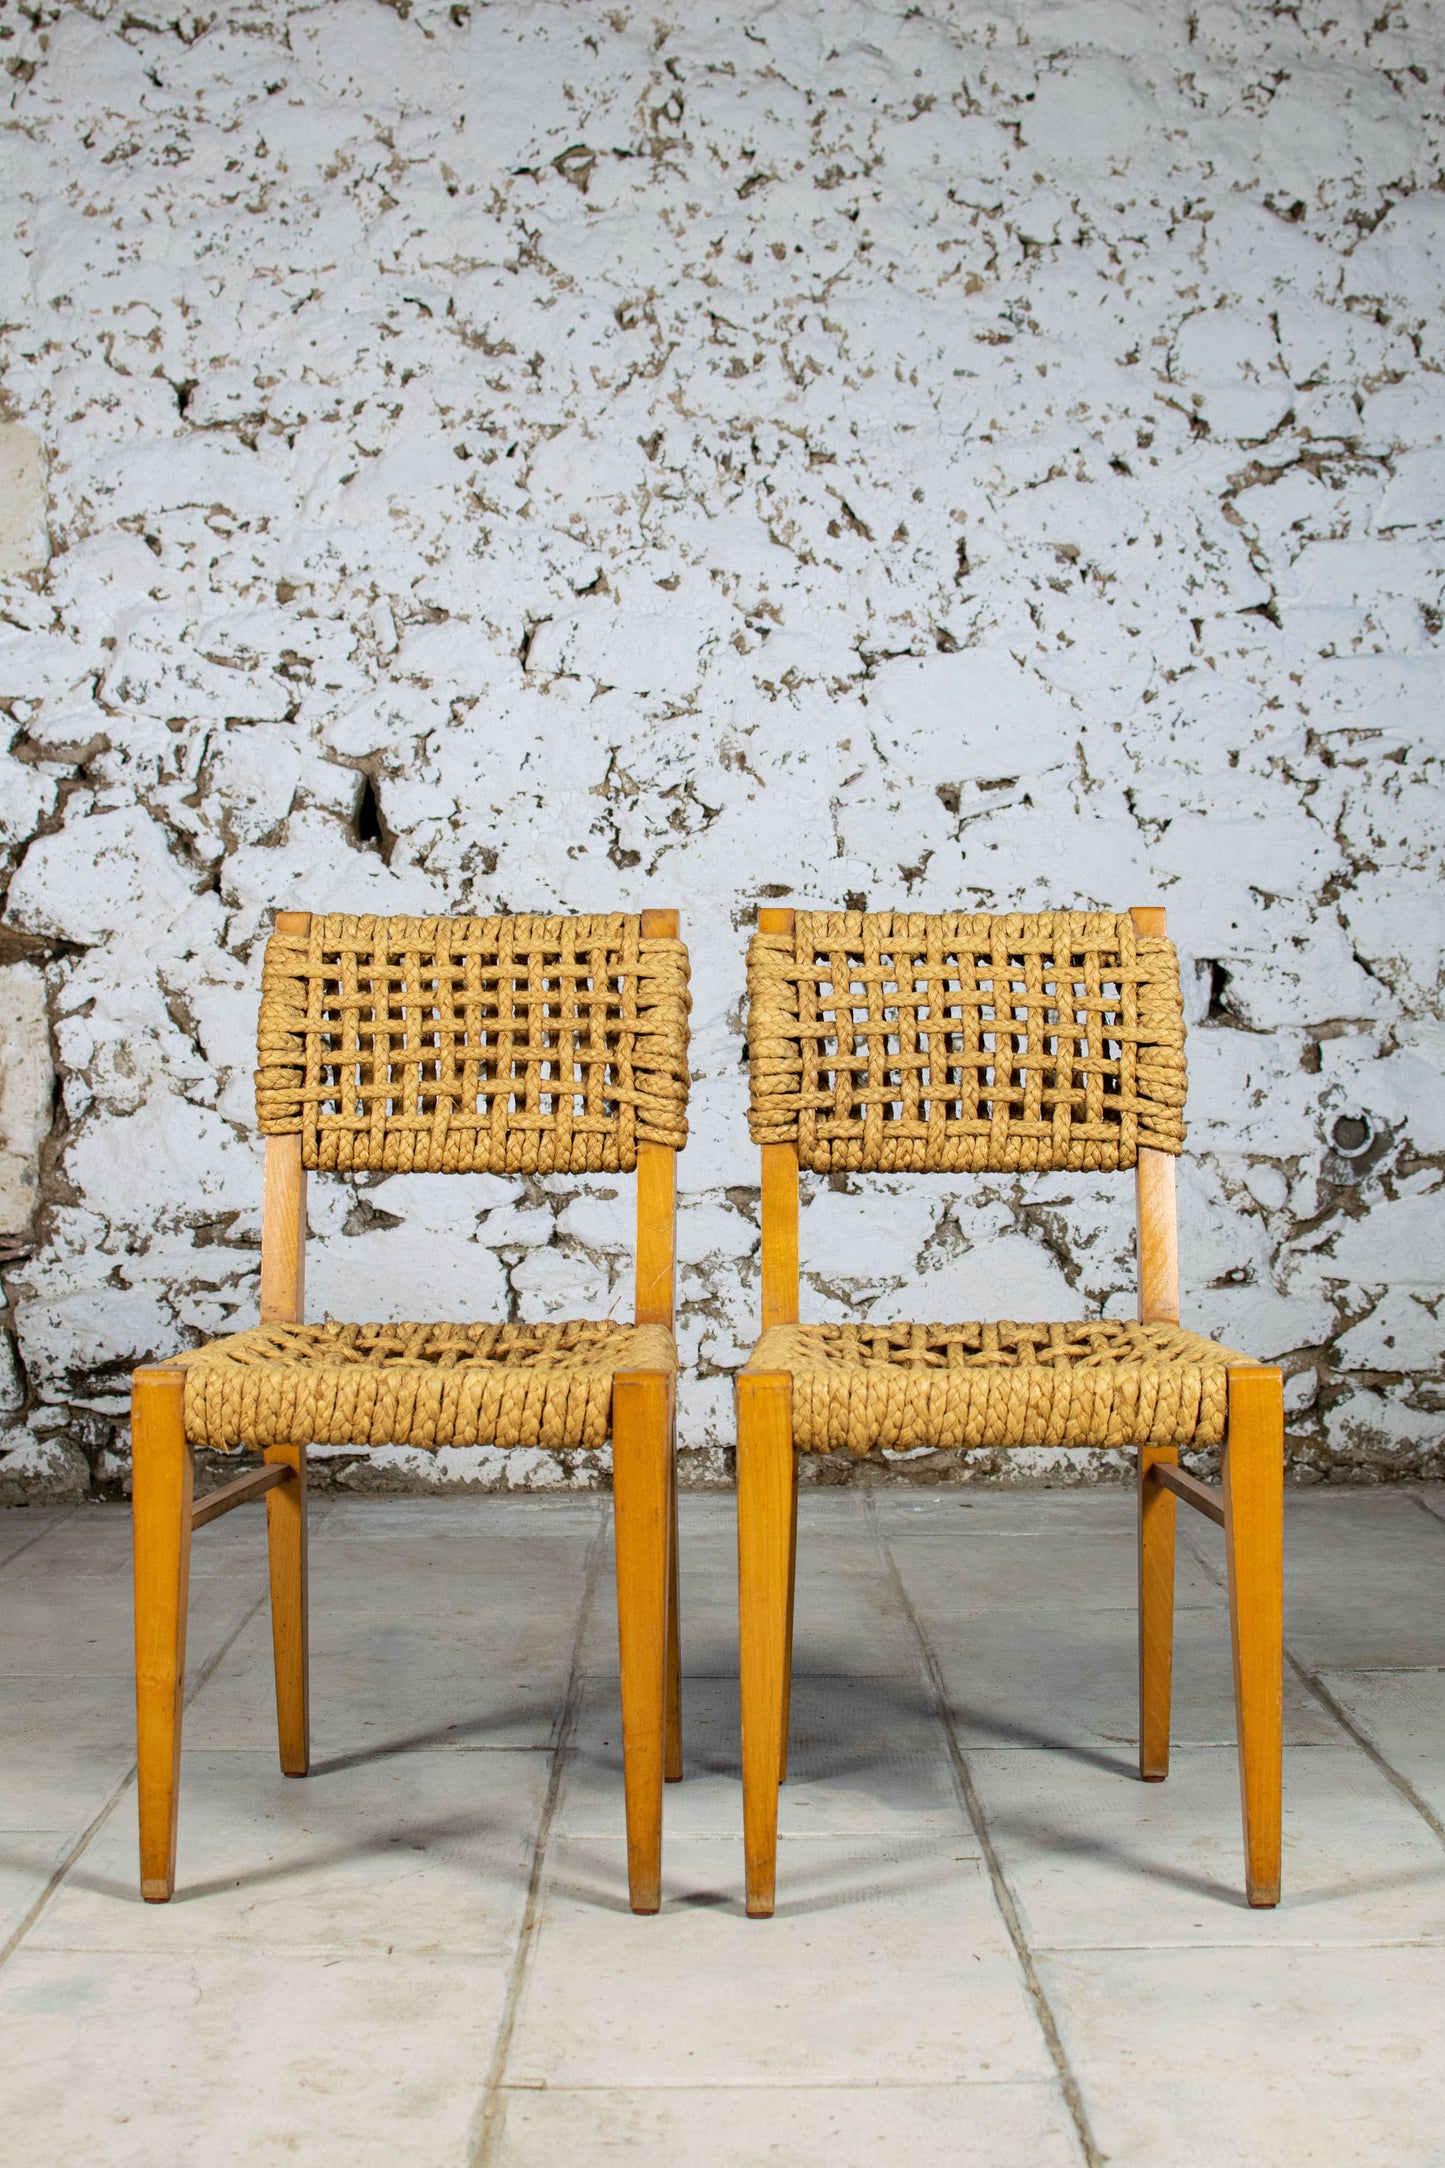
526, 1045
1103, 1383
953, 1042
425, 1385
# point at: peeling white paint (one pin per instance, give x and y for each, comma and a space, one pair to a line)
837, 453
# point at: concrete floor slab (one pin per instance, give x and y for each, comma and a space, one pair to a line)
436, 1568
1094, 1858
798, 1999
423, 1852
22, 1526
1199, 2057
93, 1545
1402, 1715
1107, 1511
1362, 1584
124, 2060
423, 1953
1033, 1679
66, 1614
29, 1859
42, 1711
957, 1563
388, 1683
64, 1625
926, 2126
846, 1620
59, 1786
867, 1758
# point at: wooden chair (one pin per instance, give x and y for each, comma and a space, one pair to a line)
953, 1044
512, 1045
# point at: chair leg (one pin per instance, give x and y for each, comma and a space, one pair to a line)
1254, 1548
672, 1751
767, 1487
641, 1480
163, 1480
1156, 1613
286, 1544
788, 1631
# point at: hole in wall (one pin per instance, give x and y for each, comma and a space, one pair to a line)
1356, 1142
1352, 1135
1220, 1008
367, 822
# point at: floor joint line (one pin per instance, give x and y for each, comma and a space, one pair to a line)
1003, 1895
1387, 1769
1314, 1684
494, 2089
38, 1537
207, 1669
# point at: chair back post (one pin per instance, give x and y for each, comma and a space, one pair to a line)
1154, 1197
779, 1199
283, 1208
656, 1194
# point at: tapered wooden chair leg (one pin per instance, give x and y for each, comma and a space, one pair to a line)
641, 1483
767, 1483
286, 1544
1156, 1614
1254, 1547
161, 1503
788, 1632
672, 1755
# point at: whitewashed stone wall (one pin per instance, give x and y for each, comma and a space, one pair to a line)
549, 455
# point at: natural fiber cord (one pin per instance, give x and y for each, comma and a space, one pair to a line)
426, 1385
902, 1386
448, 1046
895, 1043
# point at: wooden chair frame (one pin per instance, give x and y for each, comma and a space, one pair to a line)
1249, 1506
166, 1514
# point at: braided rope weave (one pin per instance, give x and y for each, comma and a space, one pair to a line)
957, 1043
1104, 1383
426, 1385
450, 1046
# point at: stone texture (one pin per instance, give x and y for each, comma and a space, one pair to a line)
24, 545
933, 2126
496, 458
422, 1952
1325, 2062
26, 1082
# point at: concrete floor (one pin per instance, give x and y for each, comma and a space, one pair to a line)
993, 1945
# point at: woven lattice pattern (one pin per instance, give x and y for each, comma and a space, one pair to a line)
965, 1044
427, 1385
1104, 1383
447, 1046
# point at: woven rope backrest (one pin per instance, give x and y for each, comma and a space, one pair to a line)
461, 1045
957, 1043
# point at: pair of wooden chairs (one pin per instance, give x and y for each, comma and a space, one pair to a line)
946, 1044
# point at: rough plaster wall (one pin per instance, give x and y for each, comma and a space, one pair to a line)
539, 455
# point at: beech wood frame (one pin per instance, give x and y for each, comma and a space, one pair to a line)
166, 1513
1249, 1506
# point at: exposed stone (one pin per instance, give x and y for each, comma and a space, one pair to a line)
24, 544
27, 1082
41, 1471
